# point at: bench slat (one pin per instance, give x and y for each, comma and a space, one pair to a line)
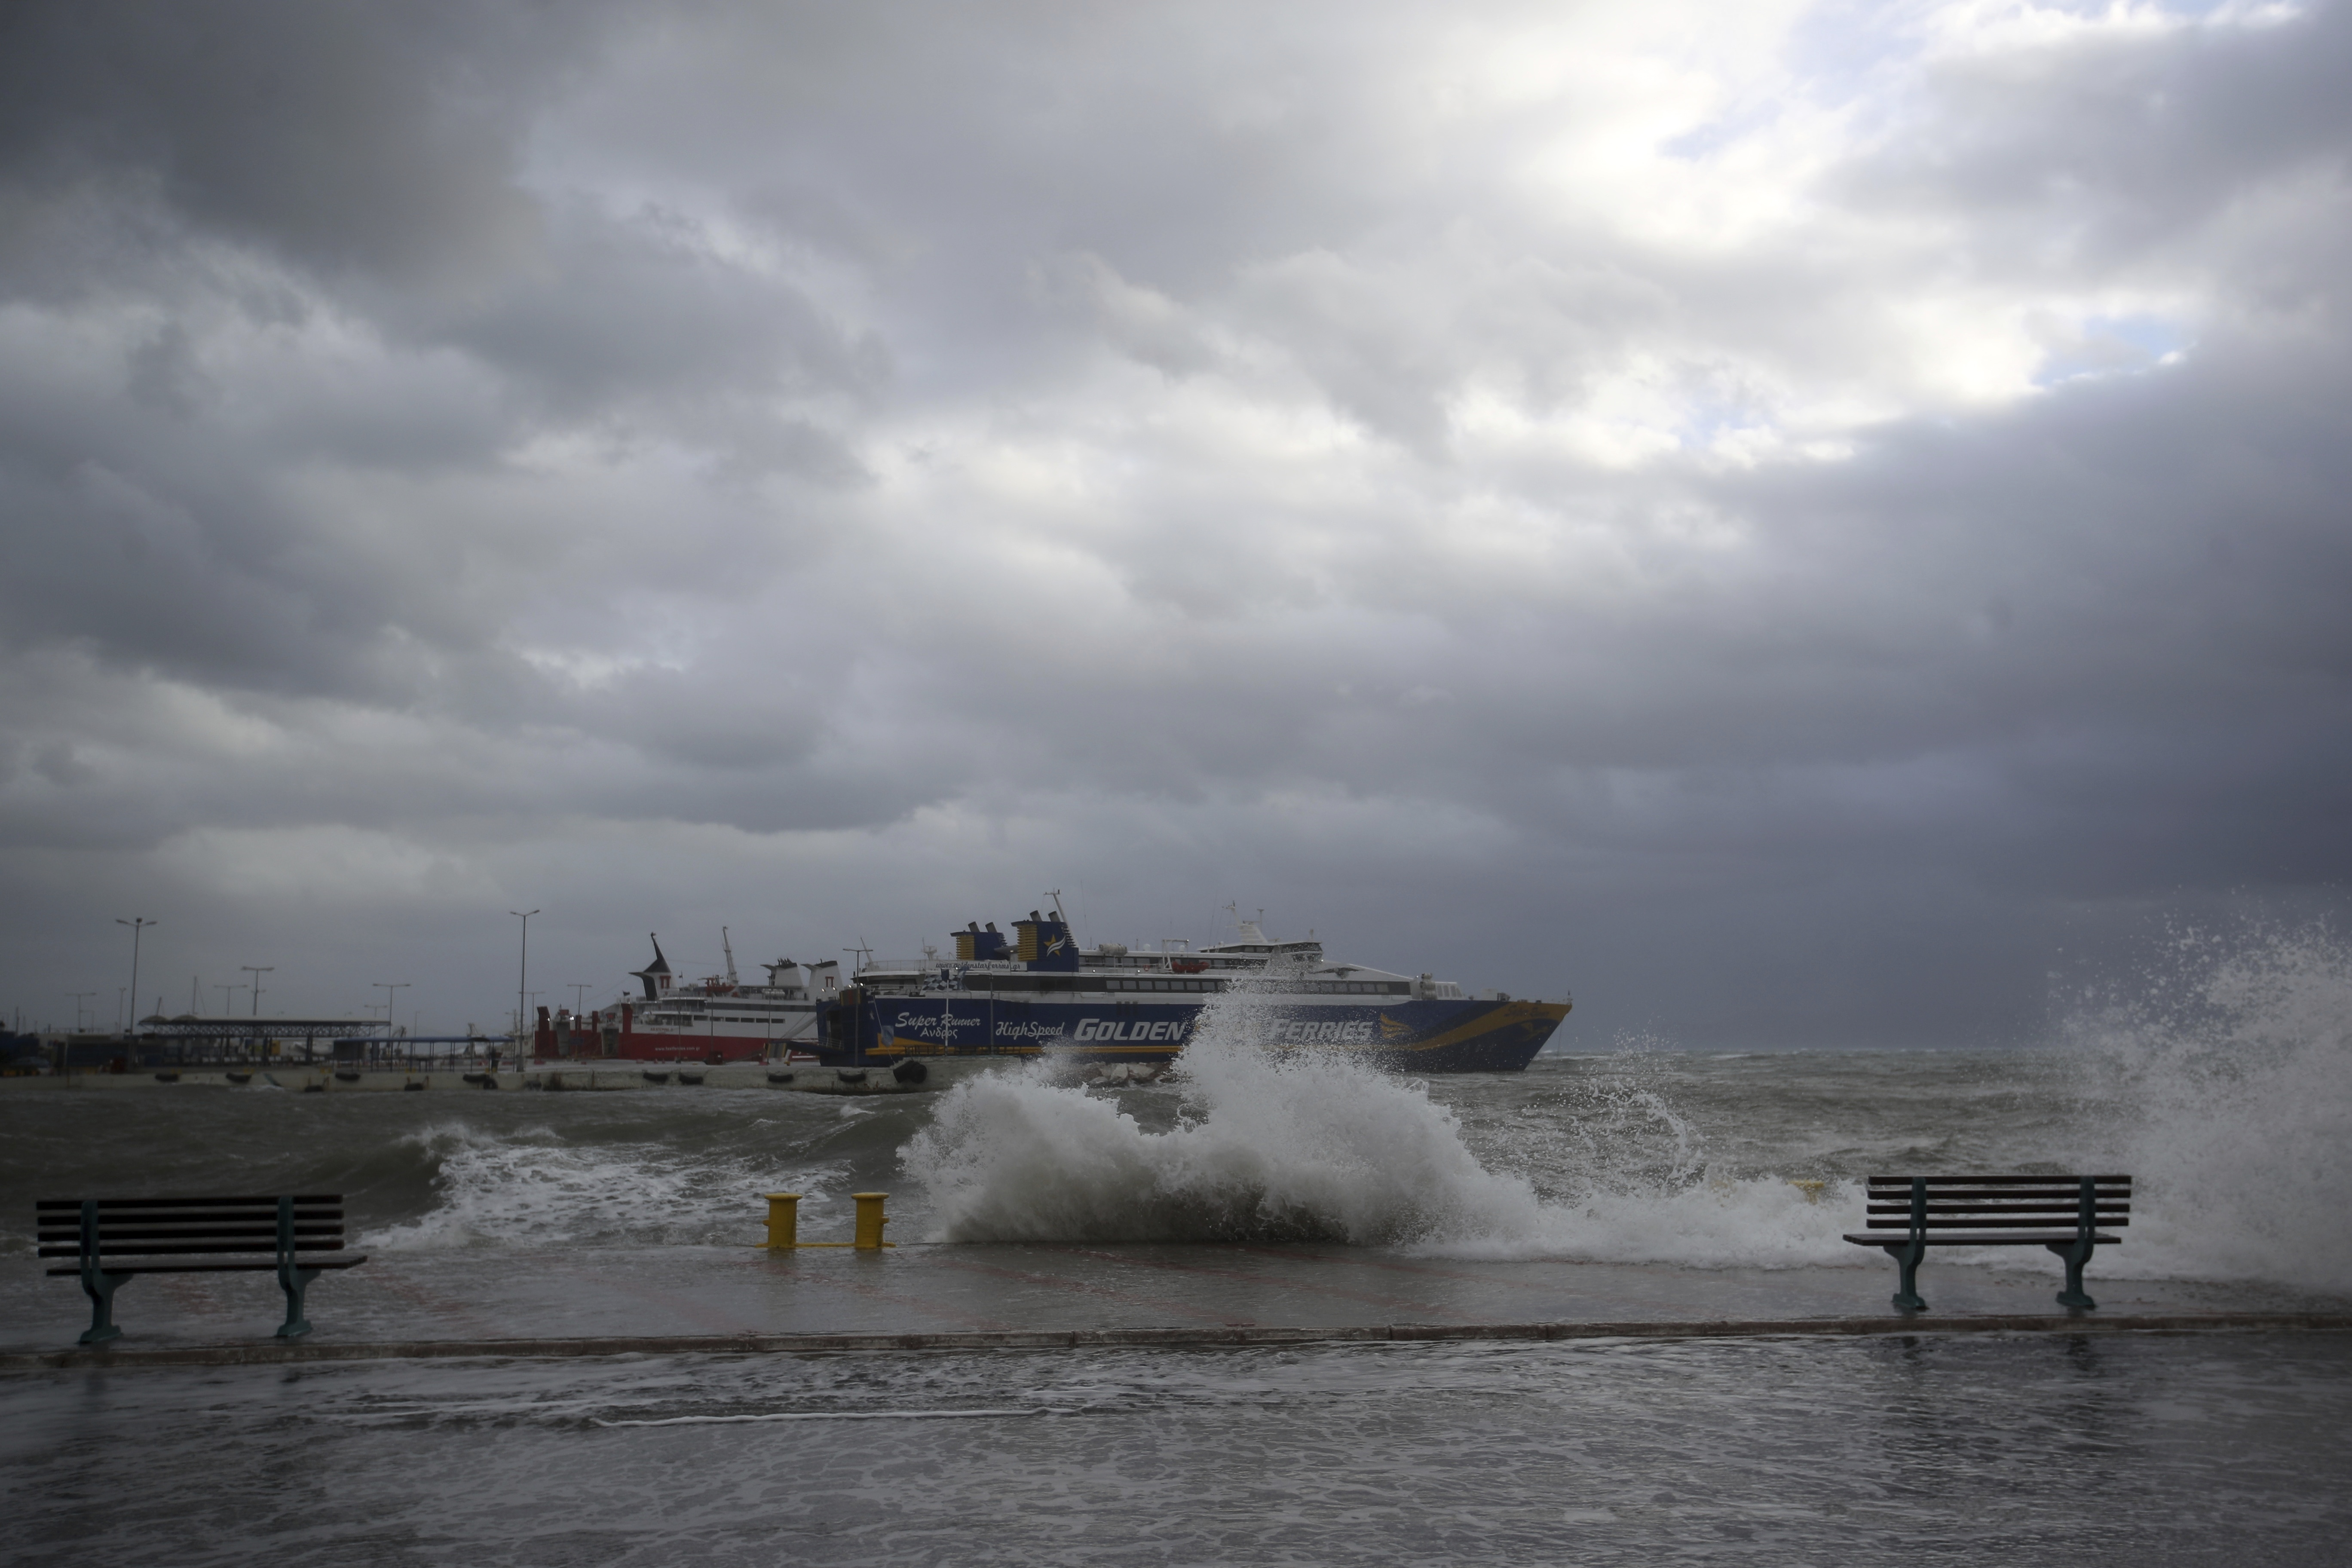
1993, 1181
189, 1249
1897, 1216
2005, 1200
2005, 1239
1998, 1209
1998, 1204
238, 1215
2023, 1195
166, 1232
1904, 1226
221, 1267
175, 1226
2000, 1195
264, 1202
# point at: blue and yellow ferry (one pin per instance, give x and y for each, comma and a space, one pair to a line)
1039, 994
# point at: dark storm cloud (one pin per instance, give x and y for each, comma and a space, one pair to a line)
343, 136
1768, 527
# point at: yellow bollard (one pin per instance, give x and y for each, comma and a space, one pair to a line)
870, 1220
783, 1221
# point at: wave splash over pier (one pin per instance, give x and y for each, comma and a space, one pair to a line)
2222, 1078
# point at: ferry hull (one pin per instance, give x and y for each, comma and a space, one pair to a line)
1424, 1037
554, 1042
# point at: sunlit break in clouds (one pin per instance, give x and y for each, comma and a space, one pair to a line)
1785, 520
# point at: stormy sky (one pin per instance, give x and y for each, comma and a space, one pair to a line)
1792, 522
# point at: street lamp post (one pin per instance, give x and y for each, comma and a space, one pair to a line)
523, 978
388, 987
64, 1051
257, 971
137, 925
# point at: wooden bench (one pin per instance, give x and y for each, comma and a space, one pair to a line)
2064, 1214
112, 1240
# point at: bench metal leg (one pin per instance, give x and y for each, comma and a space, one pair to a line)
101, 1286
294, 1282
1907, 1255
292, 1277
96, 1282
2076, 1254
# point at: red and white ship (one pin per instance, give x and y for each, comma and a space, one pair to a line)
715, 1019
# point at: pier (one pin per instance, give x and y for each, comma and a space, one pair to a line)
539, 1302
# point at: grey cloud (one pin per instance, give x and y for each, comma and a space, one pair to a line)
2113, 147
1063, 472
639, 311
345, 135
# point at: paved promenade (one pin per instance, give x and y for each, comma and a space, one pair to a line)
512, 1302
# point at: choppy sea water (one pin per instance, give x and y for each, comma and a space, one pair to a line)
2226, 1090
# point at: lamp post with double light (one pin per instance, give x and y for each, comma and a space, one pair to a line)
130, 1025
389, 988
523, 979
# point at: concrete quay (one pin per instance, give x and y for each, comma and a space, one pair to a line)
600, 1075
510, 1303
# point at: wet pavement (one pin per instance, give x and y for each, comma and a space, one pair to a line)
490, 1295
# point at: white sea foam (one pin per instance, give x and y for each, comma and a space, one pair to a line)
1270, 1148
1317, 1146
2228, 1095
2223, 1083
531, 1187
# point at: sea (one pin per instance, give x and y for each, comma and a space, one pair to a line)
2221, 1080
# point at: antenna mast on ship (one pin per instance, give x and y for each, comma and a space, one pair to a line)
729, 949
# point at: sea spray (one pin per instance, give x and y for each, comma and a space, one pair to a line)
532, 1186
1626, 1175
2222, 1081
1298, 1146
